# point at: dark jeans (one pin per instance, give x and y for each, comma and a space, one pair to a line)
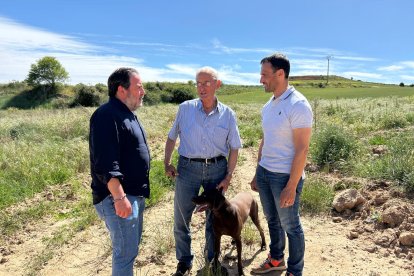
193, 175
282, 220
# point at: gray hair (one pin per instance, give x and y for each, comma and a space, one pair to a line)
208, 70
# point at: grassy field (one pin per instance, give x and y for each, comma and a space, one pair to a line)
257, 94
44, 158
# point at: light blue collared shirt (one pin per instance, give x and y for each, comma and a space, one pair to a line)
205, 135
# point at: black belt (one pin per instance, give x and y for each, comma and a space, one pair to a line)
205, 160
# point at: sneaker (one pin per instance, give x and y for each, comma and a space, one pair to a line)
269, 265
182, 269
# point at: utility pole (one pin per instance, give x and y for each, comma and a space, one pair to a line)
327, 74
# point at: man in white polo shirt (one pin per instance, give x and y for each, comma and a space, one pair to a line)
287, 124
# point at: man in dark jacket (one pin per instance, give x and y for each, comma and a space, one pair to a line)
120, 164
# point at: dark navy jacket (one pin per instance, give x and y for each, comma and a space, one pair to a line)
118, 148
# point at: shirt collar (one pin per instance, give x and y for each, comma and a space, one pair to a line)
290, 89
218, 108
115, 101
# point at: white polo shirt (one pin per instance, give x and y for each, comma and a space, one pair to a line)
279, 117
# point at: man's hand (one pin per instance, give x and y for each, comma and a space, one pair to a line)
253, 184
287, 196
224, 184
170, 171
123, 208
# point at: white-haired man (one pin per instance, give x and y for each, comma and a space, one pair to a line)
209, 144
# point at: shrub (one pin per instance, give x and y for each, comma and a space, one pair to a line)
101, 88
316, 196
393, 121
86, 96
332, 146
182, 94
396, 165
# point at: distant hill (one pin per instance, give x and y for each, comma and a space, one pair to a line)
317, 77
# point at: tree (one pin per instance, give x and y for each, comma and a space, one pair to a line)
47, 71
402, 84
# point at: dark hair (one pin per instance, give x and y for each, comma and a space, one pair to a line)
278, 61
120, 77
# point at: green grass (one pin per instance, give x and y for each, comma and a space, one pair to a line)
317, 196
258, 95
44, 149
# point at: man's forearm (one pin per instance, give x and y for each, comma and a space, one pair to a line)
297, 168
232, 162
169, 148
115, 187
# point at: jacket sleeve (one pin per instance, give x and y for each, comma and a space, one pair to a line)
105, 147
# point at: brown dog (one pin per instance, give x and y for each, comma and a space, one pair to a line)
229, 217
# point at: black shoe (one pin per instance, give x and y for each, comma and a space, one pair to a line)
182, 269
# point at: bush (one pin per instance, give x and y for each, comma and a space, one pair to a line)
333, 146
394, 121
316, 197
86, 96
182, 94
397, 164
101, 88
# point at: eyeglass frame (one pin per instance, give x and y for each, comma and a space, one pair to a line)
205, 84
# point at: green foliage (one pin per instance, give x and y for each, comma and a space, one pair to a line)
47, 71
160, 183
394, 121
101, 88
316, 197
396, 164
13, 87
332, 146
181, 94
163, 92
28, 168
249, 123
378, 140
86, 96
32, 98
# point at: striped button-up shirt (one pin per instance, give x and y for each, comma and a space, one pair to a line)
205, 135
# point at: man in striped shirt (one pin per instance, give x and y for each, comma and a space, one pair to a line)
209, 144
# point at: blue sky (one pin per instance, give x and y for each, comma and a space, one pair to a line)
370, 40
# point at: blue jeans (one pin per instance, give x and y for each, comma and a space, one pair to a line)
281, 220
191, 176
125, 233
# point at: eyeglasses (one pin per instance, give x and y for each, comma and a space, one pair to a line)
207, 83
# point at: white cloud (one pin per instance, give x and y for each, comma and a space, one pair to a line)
409, 64
408, 77
229, 50
21, 46
354, 58
365, 75
390, 68
184, 69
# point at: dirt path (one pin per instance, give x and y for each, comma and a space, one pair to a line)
328, 250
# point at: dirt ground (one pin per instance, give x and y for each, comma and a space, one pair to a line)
329, 249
